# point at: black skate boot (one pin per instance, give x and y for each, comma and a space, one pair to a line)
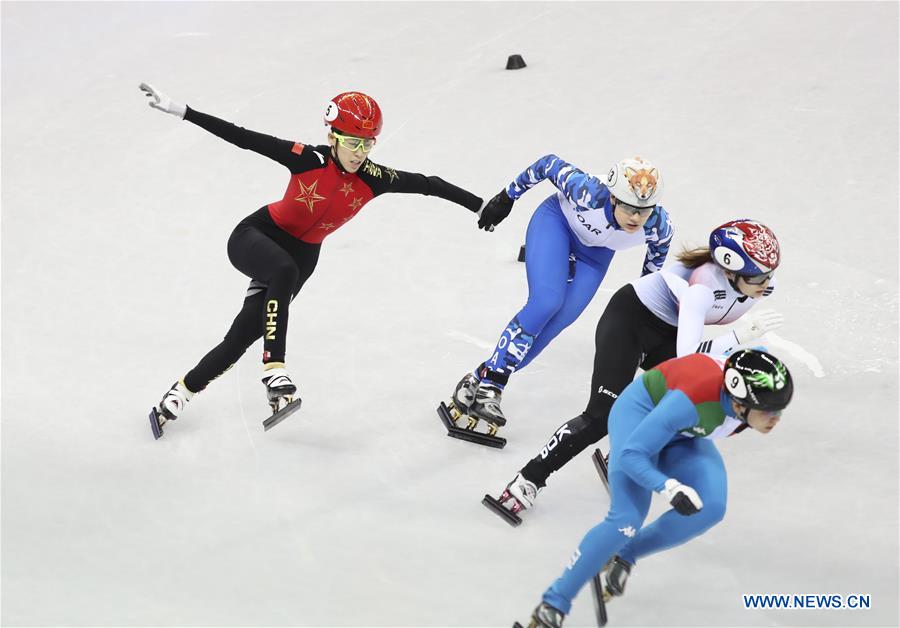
459, 409
464, 394
617, 573
545, 616
486, 406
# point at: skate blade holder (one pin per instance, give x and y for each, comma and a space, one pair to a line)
282, 414
157, 420
508, 515
600, 597
280, 403
449, 416
602, 468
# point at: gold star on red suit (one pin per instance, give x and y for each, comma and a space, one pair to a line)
308, 195
356, 204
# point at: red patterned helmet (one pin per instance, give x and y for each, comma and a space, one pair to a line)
355, 114
745, 247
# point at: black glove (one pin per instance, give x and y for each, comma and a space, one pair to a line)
495, 211
684, 499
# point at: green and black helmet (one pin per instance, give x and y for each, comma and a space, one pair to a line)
758, 380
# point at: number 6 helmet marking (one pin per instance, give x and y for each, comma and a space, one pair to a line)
745, 246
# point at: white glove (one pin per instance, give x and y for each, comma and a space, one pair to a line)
160, 101
683, 498
753, 325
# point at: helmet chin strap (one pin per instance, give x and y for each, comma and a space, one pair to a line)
732, 281
744, 416
337, 161
734, 285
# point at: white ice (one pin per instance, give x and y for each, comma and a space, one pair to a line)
359, 510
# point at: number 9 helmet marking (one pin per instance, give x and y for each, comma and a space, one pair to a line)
758, 380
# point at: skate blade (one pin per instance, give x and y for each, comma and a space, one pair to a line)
157, 420
282, 414
509, 516
517, 625
470, 435
602, 469
600, 596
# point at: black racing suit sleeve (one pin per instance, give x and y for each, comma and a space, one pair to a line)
282, 151
383, 180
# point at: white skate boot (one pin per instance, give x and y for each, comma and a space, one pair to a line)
518, 495
280, 389
169, 407
174, 400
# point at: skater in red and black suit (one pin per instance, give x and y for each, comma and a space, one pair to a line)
278, 245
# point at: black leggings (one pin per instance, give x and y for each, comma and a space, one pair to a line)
278, 264
628, 335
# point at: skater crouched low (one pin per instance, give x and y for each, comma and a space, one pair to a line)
662, 428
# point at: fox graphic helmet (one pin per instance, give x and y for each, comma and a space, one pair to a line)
354, 113
635, 181
758, 380
745, 247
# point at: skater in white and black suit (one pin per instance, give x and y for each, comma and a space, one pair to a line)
658, 317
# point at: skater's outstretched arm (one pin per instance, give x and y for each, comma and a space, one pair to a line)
285, 152
583, 189
384, 180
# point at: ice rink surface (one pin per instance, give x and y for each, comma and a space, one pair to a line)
359, 510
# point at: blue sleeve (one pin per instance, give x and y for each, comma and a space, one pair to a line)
658, 234
580, 188
673, 413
